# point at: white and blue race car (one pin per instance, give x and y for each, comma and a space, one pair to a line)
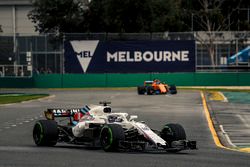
98, 126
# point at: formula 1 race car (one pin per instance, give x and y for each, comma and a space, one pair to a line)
98, 126
156, 87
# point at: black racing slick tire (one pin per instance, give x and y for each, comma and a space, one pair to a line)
111, 136
172, 89
45, 133
150, 90
173, 132
141, 90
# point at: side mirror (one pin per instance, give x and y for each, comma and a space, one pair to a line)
133, 117
105, 103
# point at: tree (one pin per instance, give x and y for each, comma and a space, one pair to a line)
120, 15
72, 16
94, 16
233, 12
212, 18
60, 16
167, 16
134, 16
57, 16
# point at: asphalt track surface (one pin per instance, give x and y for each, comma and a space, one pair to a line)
17, 120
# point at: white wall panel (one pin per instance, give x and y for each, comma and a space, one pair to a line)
23, 24
6, 19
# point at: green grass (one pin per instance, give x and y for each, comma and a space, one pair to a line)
238, 97
6, 99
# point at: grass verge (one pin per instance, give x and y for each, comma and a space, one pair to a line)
6, 99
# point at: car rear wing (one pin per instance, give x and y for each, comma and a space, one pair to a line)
53, 113
148, 82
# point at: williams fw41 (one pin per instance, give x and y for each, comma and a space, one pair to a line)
98, 126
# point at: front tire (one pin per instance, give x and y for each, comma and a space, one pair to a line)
150, 90
173, 132
45, 133
110, 137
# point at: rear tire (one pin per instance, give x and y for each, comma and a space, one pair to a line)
110, 137
172, 89
45, 133
141, 90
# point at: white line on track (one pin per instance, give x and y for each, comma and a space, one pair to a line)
226, 136
30, 149
243, 120
19, 121
243, 144
113, 96
224, 97
13, 148
16, 148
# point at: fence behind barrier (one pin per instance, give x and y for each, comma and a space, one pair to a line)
125, 80
47, 52
15, 71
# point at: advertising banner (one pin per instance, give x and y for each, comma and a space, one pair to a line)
92, 56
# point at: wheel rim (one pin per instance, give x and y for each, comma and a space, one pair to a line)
38, 133
106, 138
